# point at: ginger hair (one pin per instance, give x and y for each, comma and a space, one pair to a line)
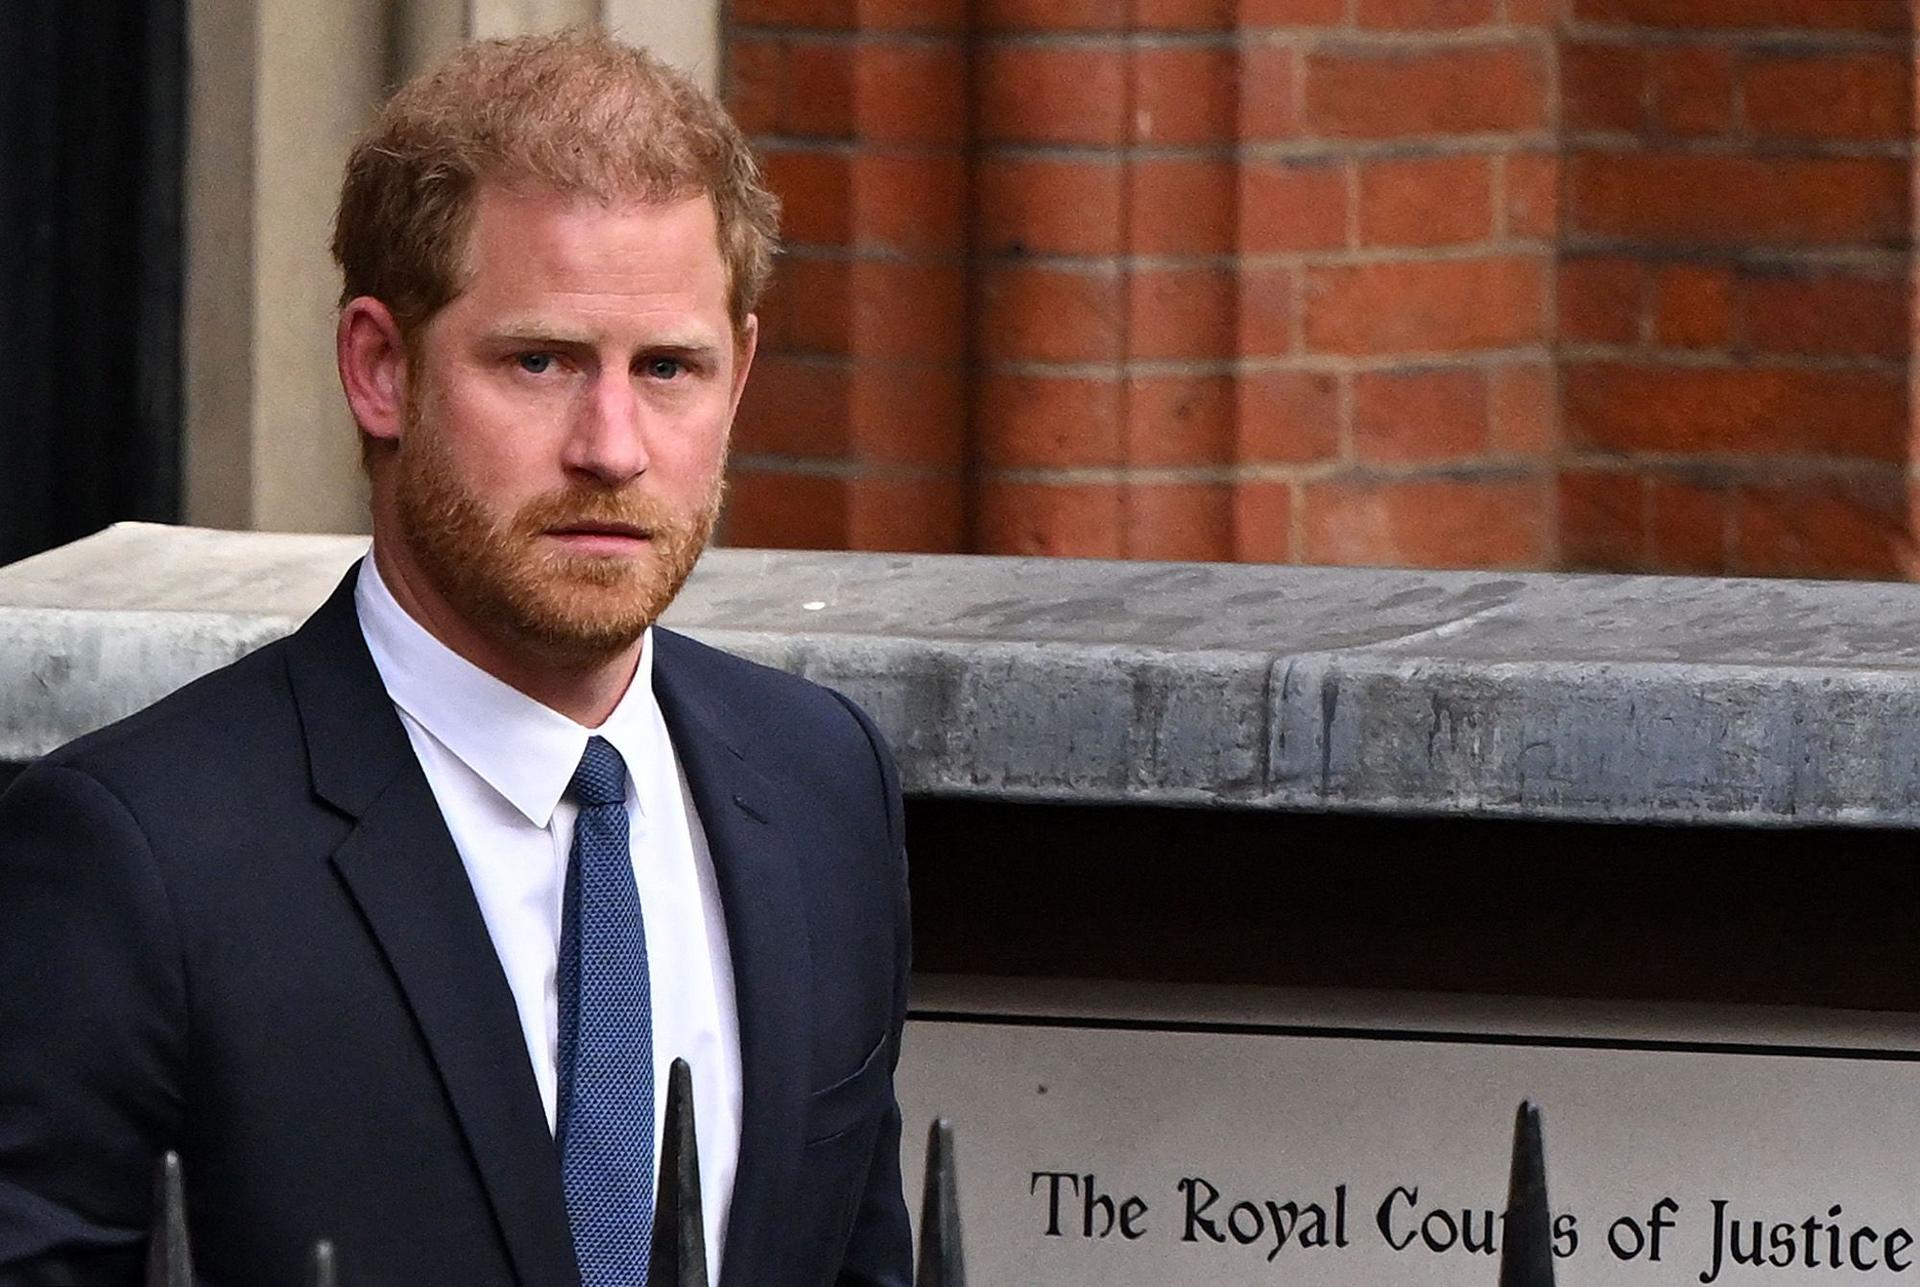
577, 113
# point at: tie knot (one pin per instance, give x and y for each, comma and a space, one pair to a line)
602, 775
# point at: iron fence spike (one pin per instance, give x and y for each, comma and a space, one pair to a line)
1526, 1244
941, 1261
679, 1256
169, 1257
320, 1267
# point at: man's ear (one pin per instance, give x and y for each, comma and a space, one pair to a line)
372, 356
745, 341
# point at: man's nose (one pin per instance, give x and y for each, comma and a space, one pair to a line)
608, 439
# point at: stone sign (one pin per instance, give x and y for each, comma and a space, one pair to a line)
1164, 1138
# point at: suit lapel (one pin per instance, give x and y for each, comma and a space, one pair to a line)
761, 895
400, 866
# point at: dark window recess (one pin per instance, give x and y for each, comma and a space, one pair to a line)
92, 130
1813, 917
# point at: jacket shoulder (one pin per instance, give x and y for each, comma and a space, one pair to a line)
748, 694
791, 727
214, 728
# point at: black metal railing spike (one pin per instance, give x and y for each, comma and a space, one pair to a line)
941, 1261
1526, 1247
679, 1256
320, 1267
169, 1258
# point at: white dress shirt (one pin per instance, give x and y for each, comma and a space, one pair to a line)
498, 762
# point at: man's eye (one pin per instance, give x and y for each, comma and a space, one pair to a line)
664, 368
535, 363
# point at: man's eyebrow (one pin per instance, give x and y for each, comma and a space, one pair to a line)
691, 346
533, 333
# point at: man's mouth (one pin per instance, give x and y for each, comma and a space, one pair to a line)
605, 537
603, 529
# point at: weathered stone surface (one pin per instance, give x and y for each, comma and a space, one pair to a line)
1629, 698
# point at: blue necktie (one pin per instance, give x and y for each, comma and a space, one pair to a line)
605, 1118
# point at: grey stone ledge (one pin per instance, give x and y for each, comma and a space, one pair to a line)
1634, 699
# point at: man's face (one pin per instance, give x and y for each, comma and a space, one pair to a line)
562, 461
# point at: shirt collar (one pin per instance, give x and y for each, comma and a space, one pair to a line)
522, 749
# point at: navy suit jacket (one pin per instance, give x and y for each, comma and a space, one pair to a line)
235, 925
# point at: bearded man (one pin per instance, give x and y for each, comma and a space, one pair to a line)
393, 928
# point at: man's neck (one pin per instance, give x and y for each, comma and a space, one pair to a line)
585, 693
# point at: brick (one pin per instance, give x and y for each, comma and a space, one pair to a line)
1749, 410
1268, 110
1448, 90
949, 16
756, 82
1184, 95
1053, 15
773, 312
909, 310
1286, 417
1524, 412
1426, 201
824, 14
911, 202
1602, 521
1532, 207
1032, 421
1035, 314
1693, 306
1443, 522
1180, 206
793, 407
1179, 420
1445, 306
1256, 14
1420, 416
1822, 528
1180, 313
1910, 554
1692, 90
1267, 311
1536, 13
909, 515
1183, 15
1601, 299
1187, 521
911, 92
819, 99
810, 306
774, 509
1048, 206
1263, 521
1687, 527
1867, 95
909, 413
1289, 206
816, 194
1667, 198
1828, 315
1825, 15
1072, 520
1418, 15
1052, 94
1603, 86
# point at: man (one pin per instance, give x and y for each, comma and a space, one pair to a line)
393, 927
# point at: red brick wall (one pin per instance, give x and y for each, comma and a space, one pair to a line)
853, 433
1614, 283
1734, 333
